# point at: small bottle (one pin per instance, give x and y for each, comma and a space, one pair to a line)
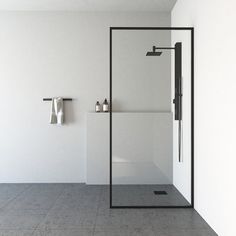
105, 106
97, 107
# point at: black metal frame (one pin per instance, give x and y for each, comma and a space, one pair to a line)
191, 29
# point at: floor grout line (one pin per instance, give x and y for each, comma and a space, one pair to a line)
99, 201
63, 191
19, 194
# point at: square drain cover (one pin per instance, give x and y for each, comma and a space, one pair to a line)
160, 192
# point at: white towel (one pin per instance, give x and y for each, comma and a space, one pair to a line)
57, 114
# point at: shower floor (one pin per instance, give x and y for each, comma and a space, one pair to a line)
143, 195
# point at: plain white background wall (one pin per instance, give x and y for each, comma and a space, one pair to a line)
45, 54
182, 170
215, 128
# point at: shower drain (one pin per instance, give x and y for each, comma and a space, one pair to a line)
160, 192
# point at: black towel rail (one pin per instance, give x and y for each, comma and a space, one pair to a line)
50, 99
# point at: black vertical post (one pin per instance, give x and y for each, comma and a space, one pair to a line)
192, 117
110, 117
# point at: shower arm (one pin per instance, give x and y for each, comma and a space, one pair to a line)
156, 48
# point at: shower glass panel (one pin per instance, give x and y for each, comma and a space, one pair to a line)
151, 117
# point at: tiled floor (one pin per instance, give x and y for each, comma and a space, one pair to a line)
143, 195
80, 210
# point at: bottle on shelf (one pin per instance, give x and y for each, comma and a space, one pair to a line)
105, 106
97, 107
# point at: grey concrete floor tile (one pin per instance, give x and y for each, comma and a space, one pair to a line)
116, 218
68, 232
32, 202
78, 209
177, 221
81, 198
46, 189
3, 202
128, 232
143, 195
10, 191
170, 212
20, 222
83, 190
73, 187
38, 196
188, 232
16, 232
79, 202
68, 221
7, 211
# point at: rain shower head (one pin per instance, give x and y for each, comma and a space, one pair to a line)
154, 53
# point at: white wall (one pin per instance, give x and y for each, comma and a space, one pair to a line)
98, 158
182, 169
45, 54
215, 129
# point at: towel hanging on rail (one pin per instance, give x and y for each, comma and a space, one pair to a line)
57, 113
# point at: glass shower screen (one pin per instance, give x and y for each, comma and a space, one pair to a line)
151, 117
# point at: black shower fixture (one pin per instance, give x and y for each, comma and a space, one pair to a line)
178, 91
153, 53
178, 82
158, 53
178, 75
